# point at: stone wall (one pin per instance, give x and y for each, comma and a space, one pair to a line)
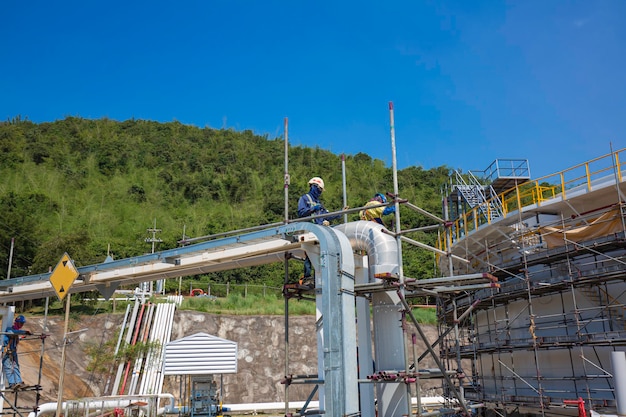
261, 355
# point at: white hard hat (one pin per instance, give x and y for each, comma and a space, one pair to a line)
317, 181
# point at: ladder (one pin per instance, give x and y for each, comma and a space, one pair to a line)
480, 196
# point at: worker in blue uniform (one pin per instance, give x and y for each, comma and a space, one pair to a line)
311, 205
10, 363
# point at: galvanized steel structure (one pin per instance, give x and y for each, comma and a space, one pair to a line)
557, 245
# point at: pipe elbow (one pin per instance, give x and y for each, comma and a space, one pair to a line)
381, 248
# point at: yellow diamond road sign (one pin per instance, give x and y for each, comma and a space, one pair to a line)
63, 276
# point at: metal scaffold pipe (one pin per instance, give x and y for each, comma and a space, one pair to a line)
287, 180
395, 188
286, 262
343, 180
396, 192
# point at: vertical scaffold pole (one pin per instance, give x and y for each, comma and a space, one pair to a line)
617, 173
286, 279
287, 181
63, 356
345, 193
44, 330
396, 192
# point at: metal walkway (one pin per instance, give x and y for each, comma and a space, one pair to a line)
257, 248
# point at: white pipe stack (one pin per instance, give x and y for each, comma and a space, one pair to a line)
161, 331
129, 334
140, 361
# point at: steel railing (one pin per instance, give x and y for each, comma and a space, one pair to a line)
580, 178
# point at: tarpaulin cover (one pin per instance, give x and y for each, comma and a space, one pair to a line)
606, 224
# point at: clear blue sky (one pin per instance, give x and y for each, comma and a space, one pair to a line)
471, 81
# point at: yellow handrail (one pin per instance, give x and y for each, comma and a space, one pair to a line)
536, 192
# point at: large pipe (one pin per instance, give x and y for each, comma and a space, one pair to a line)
381, 248
129, 333
155, 357
256, 407
171, 308
132, 343
140, 360
119, 343
111, 403
382, 255
146, 384
618, 359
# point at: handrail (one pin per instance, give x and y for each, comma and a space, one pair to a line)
537, 192
506, 167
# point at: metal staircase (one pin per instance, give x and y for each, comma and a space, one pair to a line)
477, 195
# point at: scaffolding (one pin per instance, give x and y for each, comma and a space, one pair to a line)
530, 298
376, 291
387, 379
12, 400
544, 338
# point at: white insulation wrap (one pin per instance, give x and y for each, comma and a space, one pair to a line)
381, 248
100, 406
382, 254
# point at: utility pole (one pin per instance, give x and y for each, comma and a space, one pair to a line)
10, 258
153, 240
180, 279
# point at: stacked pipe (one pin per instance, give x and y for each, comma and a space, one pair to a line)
161, 331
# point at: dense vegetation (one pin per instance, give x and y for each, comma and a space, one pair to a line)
93, 187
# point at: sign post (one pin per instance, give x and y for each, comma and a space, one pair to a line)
62, 278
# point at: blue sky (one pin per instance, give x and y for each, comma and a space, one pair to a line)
471, 81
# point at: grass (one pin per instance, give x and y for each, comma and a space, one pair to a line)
258, 305
425, 315
234, 304
251, 305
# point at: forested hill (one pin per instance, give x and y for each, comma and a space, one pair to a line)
82, 186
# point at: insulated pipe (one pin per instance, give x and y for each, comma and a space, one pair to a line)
168, 335
129, 332
618, 360
138, 325
139, 361
364, 350
161, 332
114, 402
119, 342
147, 374
381, 248
153, 363
382, 253
334, 275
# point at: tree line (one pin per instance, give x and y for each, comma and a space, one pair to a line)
94, 187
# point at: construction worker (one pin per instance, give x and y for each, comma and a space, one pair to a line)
10, 363
310, 205
376, 213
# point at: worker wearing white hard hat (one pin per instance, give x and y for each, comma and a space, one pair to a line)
310, 205
317, 181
